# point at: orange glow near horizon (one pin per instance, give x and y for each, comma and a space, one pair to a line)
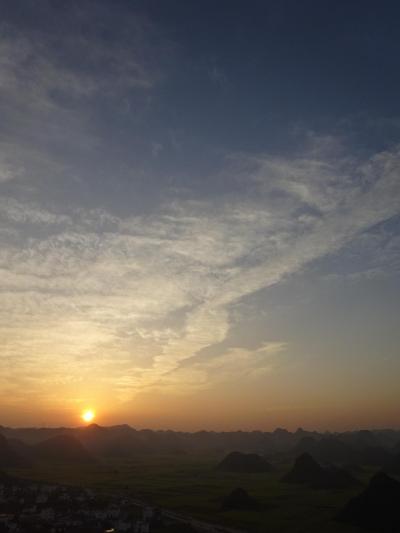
88, 415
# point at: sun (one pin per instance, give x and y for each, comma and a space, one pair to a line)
88, 415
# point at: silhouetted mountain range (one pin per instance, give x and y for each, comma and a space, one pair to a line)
244, 462
393, 464
61, 449
9, 458
239, 499
333, 450
306, 470
375, 448
58, 449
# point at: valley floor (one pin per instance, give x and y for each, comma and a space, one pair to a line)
189, 484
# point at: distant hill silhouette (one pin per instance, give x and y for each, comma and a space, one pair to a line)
244, 462
365, 438
393, 464
62, 449
337, 478
332, 450
306, 445
374, 456
93, 437
306, 470
327, 450
115, 441
33, 435
23, 450
239, 499
356, 447
9, 458
377, 507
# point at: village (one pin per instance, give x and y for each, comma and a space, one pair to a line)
37, 507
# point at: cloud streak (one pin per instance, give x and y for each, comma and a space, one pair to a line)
125, 301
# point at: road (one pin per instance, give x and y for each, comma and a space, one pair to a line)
199, 525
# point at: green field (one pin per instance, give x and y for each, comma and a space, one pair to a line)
190, 484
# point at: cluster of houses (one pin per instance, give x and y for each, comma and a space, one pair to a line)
28, 507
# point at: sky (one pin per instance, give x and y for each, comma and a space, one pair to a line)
200, 213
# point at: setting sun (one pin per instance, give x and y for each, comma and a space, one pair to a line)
88, 415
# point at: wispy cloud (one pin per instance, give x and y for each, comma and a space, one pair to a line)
126, 300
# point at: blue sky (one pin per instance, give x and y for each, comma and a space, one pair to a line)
198, 198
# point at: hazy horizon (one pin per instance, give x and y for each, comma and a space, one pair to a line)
200, 214
321, 430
